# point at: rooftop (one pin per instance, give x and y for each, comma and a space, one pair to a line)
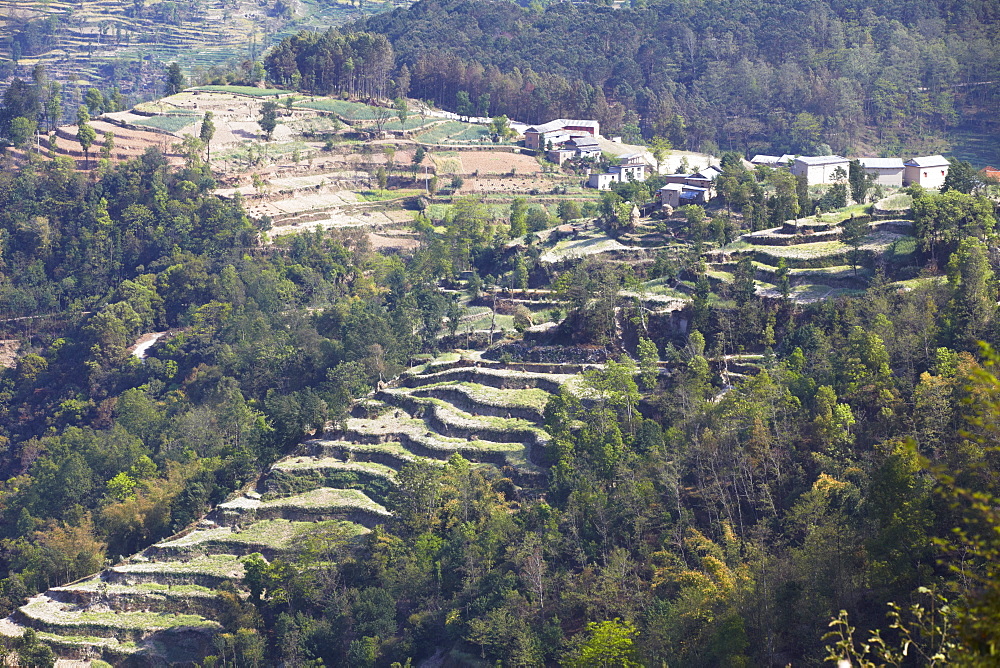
881, 163
820, 159
561, 123
928, 161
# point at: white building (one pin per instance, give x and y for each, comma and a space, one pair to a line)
772, 160
820, 169
628, 173
602, 181
887, 171
928, 171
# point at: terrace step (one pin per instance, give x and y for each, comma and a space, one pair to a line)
270, 537
449, 421
203, 571
317, 505
300, 474
417, 437
44, 613
389, 453
75, 647
496, 375
474, 398
148, 597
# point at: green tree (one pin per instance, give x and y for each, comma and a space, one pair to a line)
107, 145
22, 131
660, 148
500, 126
961, 176
85, 133
402, 110
974, 296
859, 181
518, 217
268, 118
569, 210
649, 358
94, 99
607, 644
206, 132
854, 231
418, 158
463, 105
784, 282
175, 79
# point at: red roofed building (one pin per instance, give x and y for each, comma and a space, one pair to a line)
991, 173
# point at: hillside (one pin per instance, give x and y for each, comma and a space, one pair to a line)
104, 43
162, 605
757, 77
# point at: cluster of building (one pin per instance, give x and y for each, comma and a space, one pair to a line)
555, 134
566, 138
928, 171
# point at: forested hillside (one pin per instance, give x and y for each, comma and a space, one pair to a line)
748, 76
339, 379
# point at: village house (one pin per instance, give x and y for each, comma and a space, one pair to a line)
629, 172
676, 195
991, 173
630, 167
928, 171
560, 155
555, 132
704, 179
585, 147
602, 181
772, 160
887, 171
821, 168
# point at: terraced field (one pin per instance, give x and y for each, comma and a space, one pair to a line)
819, 262
198, 36
161, 605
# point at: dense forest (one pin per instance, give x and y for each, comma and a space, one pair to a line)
745, 76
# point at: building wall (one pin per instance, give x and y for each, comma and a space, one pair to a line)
816, 174
892, 176
670, 198
579, 128
931, 178
633, 172
601, 181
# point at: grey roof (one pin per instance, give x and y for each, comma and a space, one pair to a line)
762, 159
928, 161
561, 123
881, 163
820, 159
629, 156
682, 187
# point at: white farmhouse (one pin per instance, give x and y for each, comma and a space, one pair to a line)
820, 168
928, 171
602, 181
887, 171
